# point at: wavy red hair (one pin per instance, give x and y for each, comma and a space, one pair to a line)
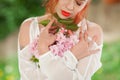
50, 7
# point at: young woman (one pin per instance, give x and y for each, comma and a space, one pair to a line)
61, 45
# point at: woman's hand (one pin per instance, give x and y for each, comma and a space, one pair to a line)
82, 48
46, 38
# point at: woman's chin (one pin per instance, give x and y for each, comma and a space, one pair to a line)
62, 17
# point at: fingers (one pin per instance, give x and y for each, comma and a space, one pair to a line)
81, 36
53, 31
90, 52
81, 28
94, 39
49, 25
86, 36
94, 51
70, 32
53, 37
53, 27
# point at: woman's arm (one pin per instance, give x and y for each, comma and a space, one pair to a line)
87, 64
30, 70
93, 62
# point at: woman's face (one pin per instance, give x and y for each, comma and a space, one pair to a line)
69, 8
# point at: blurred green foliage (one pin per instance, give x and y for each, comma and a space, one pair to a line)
13, 12
95, 1
9, 69
111, 63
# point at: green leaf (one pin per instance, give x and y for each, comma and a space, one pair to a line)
72, 27
34, 59
67, 21
44, 22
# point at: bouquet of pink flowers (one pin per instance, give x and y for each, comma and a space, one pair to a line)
63, 42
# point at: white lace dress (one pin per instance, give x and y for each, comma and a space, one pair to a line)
56, 68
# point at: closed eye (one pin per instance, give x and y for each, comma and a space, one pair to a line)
79, 3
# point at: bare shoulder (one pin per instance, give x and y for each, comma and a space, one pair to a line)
24, 32
25, 28
95, 30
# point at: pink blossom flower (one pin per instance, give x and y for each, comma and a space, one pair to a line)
33, 48
63, 43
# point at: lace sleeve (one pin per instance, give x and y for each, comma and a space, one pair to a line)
89, 65
29, 70
29, 65
84, 68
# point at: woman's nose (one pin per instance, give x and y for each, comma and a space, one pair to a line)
70, 4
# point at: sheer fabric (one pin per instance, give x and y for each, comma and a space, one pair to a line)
56, 68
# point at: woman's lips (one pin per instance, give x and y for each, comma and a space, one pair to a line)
65, 13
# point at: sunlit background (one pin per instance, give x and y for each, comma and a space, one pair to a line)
104, 12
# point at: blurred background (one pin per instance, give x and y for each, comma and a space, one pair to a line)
103, 12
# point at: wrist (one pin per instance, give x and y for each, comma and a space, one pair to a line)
75, 53
43, 49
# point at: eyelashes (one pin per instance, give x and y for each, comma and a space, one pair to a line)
79, 3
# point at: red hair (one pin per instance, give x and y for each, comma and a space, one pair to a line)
50, 7
80, 15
